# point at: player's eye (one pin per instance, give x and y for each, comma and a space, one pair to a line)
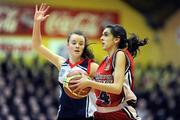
73, 42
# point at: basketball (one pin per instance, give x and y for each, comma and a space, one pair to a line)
75, 75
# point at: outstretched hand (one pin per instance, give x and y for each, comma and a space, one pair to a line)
80, 84
40, 13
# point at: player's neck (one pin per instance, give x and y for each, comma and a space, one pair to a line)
74, 60
111, 51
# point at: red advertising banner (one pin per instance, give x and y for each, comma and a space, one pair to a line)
18, 20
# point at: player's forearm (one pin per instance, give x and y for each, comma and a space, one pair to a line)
36, 36
106, 87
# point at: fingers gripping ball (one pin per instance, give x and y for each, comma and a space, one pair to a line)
75, 75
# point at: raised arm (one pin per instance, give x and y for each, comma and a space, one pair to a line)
39, 17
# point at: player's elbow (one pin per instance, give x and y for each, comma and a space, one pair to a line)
117, 90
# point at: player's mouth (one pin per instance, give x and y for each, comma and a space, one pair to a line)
76, 51
103, 43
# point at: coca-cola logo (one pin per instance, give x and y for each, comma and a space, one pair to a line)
62, 23
18, 20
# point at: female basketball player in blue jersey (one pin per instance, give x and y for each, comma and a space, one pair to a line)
114, 79
80, 58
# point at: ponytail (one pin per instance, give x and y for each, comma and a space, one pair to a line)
133, 44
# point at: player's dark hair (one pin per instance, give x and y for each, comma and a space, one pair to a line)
133, 43
87, 53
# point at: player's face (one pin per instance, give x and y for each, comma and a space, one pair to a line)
76, 45
107, 39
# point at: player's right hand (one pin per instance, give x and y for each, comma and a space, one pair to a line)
40, 13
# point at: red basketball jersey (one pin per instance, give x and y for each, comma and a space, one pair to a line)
104, 74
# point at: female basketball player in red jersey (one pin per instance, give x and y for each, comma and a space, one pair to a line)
80, 58
114, 79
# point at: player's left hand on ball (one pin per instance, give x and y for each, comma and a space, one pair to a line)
80, 84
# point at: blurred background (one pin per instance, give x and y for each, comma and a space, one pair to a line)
28, 83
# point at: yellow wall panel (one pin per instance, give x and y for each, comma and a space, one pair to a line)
132, 20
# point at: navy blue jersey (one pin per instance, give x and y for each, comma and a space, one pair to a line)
75, 108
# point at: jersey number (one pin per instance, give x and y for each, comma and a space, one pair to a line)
104, 97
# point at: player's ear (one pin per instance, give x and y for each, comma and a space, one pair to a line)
117, 39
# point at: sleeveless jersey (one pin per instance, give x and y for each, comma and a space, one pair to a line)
75, 108
129, 68
105, 73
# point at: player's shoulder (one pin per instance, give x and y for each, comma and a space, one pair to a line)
93, 68
94, 64
120, 54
